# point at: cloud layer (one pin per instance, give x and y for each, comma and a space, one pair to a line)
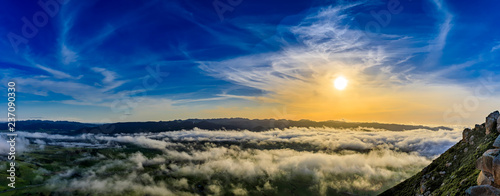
301, 160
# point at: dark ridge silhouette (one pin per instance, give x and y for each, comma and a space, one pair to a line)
74, 128
47, 126
241, 124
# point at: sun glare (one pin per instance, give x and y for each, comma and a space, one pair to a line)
340, 83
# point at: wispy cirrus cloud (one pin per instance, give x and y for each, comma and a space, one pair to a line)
496, 47
300, 75
437, 45
68, 55
55, 73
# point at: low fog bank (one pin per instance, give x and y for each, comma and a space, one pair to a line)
422, 141
314, 160
221, 170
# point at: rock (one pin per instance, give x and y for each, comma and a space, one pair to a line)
496, 170
422, 188
463, 181
491, 122
485, 162
496, 144
442, 172
471, 140
466, 149
448, 164
485, 178
485, 190
498, 124
465, 134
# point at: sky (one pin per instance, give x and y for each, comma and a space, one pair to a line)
416, 62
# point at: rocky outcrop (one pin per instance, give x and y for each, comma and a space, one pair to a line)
498, 124
485, 178
491, 122
465, 135
488, 180
470, 167
496, 144
483, 190
485, 163
496, 170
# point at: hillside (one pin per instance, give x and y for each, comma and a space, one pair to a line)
75, 128
241, 124
457, 171
47, 126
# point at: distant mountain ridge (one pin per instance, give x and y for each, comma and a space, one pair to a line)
73, 128
240, 124
47, 126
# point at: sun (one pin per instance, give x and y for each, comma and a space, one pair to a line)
340, 83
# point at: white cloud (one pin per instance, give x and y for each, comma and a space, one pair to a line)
436, 46
68, 55
425, 142
328, 46
140, 141
496, 47
109, 76
21, 145
109, 80
362, 160
82, 94
55, 73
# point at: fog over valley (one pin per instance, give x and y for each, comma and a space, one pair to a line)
299, 160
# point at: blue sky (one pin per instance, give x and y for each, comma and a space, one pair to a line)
107, 61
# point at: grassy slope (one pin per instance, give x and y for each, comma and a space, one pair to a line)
459, 176
55, 160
